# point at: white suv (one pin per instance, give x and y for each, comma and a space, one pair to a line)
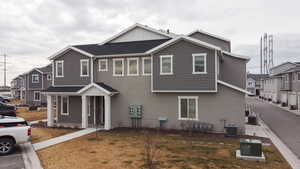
13, 131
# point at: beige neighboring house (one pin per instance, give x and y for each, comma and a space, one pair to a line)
145, 77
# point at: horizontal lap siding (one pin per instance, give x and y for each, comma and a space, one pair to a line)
182, 78
75, 110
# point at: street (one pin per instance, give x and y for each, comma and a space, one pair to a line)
12, 161
283, 123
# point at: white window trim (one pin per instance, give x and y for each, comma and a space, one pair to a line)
143, 66
199, 54
62, 67
179, 107
114, 66
298, 73
48, 76
88, 67
166, 56
128, 66
34, 92
38, 78
62, 108
106, 65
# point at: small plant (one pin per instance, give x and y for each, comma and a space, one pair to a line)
151, 150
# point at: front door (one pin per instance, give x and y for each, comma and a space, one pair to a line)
95, 111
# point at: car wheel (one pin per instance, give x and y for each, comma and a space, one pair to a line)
6, 146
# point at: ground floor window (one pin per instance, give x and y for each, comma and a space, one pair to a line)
64, 105
188, 107
36, 96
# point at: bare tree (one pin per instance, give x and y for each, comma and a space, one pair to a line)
151, 150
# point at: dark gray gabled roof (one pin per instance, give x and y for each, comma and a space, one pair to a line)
63, 89
46, 69
257, 77
108, 88
121, 47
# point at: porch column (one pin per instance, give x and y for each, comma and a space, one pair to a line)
84, 122
49, 111
107, 119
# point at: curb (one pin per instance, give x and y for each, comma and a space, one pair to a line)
31, 160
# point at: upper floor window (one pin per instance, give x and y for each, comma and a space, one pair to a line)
199, 63
84, 67
188, 107
118, 67
102, 64
147, 65
166, 64
48, 76
133, 66
35, 78
59, 68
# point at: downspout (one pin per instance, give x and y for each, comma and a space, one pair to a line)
52, 77
92, 70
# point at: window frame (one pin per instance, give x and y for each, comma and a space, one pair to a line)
35, 75
106, 65
62, 106
114, 67
161, 58
128, 66
81, 67
205, 62
143, 66
298, 76
196, 107
62, 68
34, 93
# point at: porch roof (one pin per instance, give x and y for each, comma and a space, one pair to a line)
101, 86
63, 89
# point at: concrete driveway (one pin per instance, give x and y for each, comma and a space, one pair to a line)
12, 161
284, 124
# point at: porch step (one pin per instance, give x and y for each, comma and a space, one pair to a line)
61, 139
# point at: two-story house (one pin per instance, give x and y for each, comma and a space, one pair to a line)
16, 87
37, 80
254, 83
143, 76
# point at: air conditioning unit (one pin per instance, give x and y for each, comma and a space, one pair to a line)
251, 147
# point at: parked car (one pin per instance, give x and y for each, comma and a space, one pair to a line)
4, 99
13, 131
7, 110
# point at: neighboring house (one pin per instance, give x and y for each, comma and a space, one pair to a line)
143, 77
37, 80
254, 83
16, 87
282, 85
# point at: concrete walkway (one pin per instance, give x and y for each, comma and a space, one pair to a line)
61, 139
37, 121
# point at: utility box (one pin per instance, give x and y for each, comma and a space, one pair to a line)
251, 147
231, 130
162, 122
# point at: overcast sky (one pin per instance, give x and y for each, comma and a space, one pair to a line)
32, 30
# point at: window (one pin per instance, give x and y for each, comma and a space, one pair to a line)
199, 63
102, 64
35, 78
118, 67
36, 96
147, 65
298, 75
48, 76
166, 64
133, 66
84, 67
188, 107
64, 105
59, 68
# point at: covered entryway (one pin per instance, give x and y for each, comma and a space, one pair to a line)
96, 114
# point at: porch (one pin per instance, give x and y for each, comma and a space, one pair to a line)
84, 107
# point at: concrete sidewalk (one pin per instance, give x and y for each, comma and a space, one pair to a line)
60, 139
37, 121
264, 131
31, 160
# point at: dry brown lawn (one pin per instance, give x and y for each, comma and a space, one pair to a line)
41, 134
120, 149
31, 116
16, 102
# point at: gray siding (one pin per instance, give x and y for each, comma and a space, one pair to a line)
71, 70
74, 110
46, 83
182, 78
30, 95
233, 71
296, 82
227, 104
212, 40
34, 85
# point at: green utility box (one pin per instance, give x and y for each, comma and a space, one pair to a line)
135, 111
251, 147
